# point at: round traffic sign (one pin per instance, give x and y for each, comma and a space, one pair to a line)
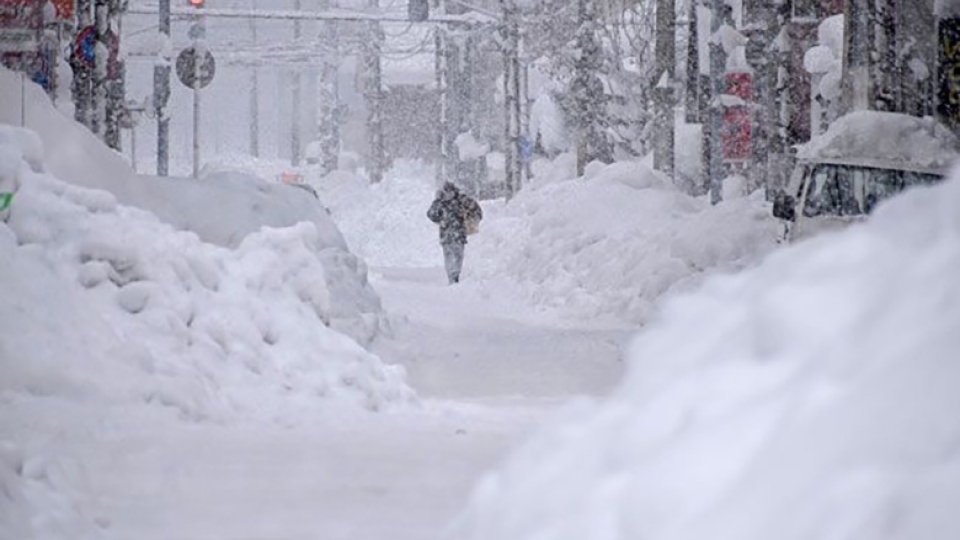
190, 73
85, 46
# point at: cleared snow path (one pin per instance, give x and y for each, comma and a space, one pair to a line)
488, 372
467, 341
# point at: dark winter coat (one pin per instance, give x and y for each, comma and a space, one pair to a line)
450, 210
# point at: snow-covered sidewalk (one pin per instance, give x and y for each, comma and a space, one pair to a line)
471, 342
402, 475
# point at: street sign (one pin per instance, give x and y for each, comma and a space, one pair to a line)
20, 24
85, 46
191, 75
18, 40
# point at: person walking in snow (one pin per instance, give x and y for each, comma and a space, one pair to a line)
457, 215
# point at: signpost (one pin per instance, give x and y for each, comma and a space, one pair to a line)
195, 69
20, 24
193, 74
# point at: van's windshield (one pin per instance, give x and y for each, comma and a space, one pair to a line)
846, 190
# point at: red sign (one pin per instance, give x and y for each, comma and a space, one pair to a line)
64, 9
736, 134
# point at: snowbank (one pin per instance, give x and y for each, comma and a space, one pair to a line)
386, 223
200, 328
891, 137
71, 153
109, 316
810, 397
614, 242
222, 208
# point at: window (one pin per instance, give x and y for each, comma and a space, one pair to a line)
833, 191
844, 190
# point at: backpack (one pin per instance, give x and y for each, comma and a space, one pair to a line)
471, 217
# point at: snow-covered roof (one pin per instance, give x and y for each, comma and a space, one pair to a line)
890, 138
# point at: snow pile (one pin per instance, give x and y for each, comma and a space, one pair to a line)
811, 397
890, 137
612, 243
71, 153
205, 330
226, 207
221, 208
385, 223
41, 496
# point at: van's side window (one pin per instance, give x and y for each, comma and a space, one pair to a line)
834, 191
821, 176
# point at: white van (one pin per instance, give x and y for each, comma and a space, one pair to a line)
862, 159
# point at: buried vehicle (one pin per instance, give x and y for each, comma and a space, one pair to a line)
862, 159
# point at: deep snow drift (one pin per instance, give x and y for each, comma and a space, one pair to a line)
811, 397
111, 318
221, 208
612, 243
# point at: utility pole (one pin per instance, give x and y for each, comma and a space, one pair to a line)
526, 108
101, 59
516, 111
329, 96
858, 63
161, 90
692, 91
198, 34
718, 63
254, 90
114, 81
666, 72
82, 74
374, 97
511, 93
295, 101
443, 76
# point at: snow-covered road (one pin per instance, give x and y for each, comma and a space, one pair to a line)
488, 373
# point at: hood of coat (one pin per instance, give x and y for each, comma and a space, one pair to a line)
448, 191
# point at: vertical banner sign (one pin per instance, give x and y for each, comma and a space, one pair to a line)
949, 70
735, 136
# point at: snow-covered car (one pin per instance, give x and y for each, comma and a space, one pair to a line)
862, 159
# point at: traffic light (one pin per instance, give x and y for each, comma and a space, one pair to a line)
196, 3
